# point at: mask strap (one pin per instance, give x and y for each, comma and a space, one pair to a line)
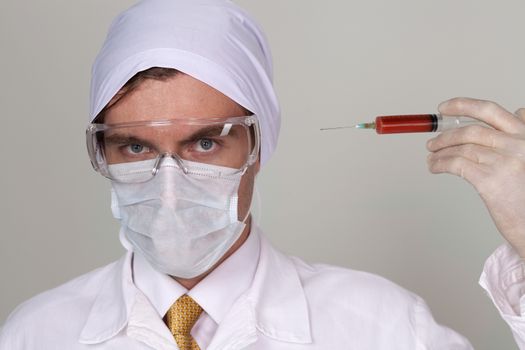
258, 207
248, 212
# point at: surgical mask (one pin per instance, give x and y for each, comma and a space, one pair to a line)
183, 224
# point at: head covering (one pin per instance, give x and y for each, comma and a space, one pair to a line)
212, 40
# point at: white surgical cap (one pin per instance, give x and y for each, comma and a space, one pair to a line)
212, 40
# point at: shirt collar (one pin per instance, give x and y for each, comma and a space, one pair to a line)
222, 287
160, 289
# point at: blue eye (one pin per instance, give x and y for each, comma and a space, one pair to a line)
136, 148
206, 144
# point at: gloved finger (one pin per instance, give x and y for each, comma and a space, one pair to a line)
488, 112
475, 153
478, 135
462, 167
520, 113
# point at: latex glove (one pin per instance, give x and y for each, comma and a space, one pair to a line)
492, 160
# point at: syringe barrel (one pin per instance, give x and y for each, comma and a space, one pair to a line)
410, 123
395, 124
448, 122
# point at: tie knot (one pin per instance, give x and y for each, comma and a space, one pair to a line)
182, 315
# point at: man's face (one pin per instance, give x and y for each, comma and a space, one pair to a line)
180, 97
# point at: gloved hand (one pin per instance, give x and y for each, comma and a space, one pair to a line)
492, 160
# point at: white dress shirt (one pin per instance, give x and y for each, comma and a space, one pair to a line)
288, 305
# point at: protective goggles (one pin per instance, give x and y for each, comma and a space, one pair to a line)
134, 152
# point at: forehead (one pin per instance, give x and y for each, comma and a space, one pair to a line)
178, 97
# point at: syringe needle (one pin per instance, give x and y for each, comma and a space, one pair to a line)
357, 126
341, 127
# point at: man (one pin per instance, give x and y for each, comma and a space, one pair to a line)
183, 115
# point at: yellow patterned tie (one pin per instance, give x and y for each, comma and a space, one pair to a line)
180, 319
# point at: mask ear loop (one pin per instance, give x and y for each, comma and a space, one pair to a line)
258, 206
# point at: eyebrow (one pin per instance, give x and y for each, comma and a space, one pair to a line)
126, 139
214, 130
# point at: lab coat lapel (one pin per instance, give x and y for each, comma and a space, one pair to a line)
237, 330
274, 305
110, 311
281, 308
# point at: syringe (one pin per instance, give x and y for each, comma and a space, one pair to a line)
394, 124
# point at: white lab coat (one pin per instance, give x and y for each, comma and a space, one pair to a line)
290, 305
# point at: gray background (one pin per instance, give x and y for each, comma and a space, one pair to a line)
350, 198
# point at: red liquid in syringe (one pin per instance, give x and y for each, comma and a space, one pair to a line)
395, 124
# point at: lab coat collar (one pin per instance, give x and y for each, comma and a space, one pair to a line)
111, 309
275, 305
281, 309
